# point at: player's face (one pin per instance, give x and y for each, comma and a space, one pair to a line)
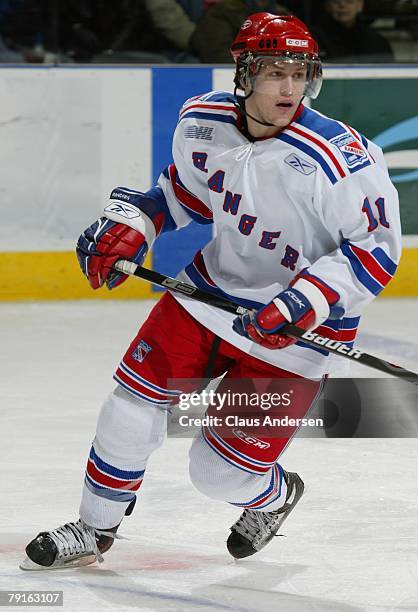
277, 91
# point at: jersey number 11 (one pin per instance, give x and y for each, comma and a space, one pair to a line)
373, 222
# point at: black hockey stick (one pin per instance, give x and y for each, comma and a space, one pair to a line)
311, 338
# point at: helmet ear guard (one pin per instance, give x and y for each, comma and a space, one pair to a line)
241, 72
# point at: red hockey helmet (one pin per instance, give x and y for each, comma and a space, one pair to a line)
268, 37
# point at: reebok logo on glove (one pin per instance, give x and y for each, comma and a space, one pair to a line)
295, 298
124, 210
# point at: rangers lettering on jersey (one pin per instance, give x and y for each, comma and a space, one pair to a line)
270, 223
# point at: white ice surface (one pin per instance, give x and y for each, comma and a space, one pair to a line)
352, 543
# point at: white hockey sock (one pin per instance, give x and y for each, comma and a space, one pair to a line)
219, 479
128, 431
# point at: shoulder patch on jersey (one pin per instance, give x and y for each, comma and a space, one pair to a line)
141, 351
300, 164
201, 132
351, 149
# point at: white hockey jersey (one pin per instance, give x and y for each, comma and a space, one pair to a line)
316, 196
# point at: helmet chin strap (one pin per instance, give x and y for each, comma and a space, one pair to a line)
240, 105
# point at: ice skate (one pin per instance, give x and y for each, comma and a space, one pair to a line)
254, 529
71, 545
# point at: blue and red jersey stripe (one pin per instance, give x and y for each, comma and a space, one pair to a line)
269, 495
140, 387
318, 130
232, 456
374, 269
196, 209
106, 480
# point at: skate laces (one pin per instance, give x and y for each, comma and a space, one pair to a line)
254, 524
257, 526
77, 539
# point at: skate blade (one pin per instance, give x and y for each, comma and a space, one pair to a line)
28, 565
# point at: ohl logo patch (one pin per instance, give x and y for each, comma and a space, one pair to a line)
352, 151
141, 351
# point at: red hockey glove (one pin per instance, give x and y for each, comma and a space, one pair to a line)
307, 302
102, 244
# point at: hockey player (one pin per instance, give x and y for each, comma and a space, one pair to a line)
307, 231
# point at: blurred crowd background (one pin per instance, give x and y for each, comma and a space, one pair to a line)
197, 31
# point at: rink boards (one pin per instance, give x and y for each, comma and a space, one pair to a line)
70, 134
